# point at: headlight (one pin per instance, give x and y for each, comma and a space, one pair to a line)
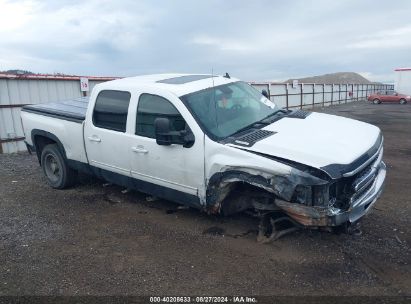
311, 195
320, 195
302, 195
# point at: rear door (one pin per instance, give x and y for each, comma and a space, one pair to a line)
173, 172
105, 132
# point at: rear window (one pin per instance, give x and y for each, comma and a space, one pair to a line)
110, 111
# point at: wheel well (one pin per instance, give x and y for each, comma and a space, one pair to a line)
243, 196
40, 142
41, 138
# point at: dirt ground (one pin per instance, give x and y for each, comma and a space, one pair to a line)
96, 240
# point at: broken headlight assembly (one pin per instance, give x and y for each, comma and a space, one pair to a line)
311, 195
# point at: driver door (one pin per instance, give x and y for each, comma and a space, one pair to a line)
173, 172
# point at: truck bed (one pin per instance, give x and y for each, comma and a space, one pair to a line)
72, 110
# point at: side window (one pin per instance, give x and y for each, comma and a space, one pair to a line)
151, 107
110, 111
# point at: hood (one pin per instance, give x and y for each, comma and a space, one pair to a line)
318, 140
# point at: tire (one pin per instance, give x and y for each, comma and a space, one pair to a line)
403, 101
58, 174
376, 101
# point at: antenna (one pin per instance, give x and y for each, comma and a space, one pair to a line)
215, 104
212, 76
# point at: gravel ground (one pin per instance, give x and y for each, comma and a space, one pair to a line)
96, 240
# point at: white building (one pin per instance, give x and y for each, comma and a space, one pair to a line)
403, 81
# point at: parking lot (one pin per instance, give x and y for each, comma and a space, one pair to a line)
94, 239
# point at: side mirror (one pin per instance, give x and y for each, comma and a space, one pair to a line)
166, 137
265, 94
396, 94
162, 131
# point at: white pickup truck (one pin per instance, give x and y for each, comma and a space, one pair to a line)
213, 143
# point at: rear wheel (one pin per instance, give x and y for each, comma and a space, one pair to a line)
376, 101
59, 175
403, 101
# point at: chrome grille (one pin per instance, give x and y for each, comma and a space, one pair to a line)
364, 180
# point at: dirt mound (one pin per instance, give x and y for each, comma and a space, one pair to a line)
341, 77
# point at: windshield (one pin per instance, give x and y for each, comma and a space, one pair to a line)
226, 109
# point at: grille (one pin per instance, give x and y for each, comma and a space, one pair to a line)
251, 138
358, 195
362, 182
301, 114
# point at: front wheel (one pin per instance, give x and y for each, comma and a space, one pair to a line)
376, 101
403, 101
59, 175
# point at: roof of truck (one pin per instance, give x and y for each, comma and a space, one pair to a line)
178, 84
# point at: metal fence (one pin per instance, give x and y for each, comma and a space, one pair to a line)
17, 91
309, 95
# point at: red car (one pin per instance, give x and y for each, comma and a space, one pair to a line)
389, 96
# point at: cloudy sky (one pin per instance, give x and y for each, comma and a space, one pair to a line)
252, 40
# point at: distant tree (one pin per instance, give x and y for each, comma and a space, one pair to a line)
17, 72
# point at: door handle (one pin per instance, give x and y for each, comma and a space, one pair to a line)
139, 150
94, 138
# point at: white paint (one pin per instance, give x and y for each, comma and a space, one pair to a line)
307, 141
403, 82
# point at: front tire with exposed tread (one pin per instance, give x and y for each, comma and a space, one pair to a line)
403, 101
58, 174
376, 101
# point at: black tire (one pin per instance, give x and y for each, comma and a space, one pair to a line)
376, 101
59, 175
403, 101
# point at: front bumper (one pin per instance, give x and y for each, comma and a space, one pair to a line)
323, 216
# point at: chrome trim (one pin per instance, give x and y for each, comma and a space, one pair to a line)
371, 193
363, 181
372, 158
363, 205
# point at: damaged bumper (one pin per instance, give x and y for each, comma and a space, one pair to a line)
360, 204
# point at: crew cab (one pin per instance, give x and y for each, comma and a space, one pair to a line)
214, 143
389, 96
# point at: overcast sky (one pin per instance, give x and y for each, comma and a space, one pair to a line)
252, 40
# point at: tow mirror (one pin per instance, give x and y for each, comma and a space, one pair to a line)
162, 131
166, 137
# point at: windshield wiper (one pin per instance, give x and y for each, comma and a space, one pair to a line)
266, 119
256, 123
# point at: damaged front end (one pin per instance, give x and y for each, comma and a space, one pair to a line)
339, 201
309, 197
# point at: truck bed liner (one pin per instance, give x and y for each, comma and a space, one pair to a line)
72, 110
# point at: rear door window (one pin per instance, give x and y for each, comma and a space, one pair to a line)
110, 110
